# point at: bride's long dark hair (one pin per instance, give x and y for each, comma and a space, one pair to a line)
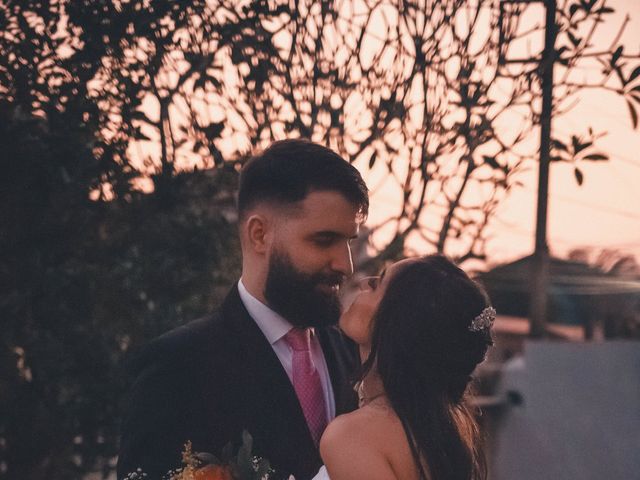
424, 353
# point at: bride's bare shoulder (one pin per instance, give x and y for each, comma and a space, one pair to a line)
353, 445
360, 424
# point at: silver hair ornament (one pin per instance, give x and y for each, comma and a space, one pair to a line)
484, 320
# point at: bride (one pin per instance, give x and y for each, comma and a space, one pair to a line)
422, 327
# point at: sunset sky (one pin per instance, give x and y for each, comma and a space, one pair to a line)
602, 213
605, 211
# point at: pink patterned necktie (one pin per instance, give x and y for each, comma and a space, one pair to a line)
306, 382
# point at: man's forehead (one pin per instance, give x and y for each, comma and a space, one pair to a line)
328, 223
319, 211
343, 222
328, 201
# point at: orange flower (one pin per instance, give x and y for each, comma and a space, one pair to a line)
213, 472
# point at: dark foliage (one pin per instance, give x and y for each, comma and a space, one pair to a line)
83, 282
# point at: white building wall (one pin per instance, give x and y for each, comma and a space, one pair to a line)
580, 413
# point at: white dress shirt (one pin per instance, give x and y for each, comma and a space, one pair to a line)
322, 474
274, 327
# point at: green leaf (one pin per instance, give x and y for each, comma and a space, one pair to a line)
635, 74
372, 160
555, 143
616, 55
573, 9
213, 130
492, 162
227, 453
138, 135
262, 468
579, 176
575, 40
199, 82
583, 146
207, 458
605, 10
560, 51
244, 459
140, 115
575, 143
247, 441
596, 157
578, 145
634, 114
214, 81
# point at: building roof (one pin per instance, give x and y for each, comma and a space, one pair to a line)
567, 277
577, 291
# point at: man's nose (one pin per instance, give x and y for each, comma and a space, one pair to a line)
342, 261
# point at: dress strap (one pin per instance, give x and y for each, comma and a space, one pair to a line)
414, 450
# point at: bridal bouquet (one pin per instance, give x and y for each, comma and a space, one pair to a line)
205, 466
242, 466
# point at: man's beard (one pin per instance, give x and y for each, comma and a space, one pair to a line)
295, 296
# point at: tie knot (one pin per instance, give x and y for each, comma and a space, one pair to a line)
298, 339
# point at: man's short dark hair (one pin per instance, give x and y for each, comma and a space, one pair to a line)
287, 171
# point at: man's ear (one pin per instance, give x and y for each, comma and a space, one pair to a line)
259, 233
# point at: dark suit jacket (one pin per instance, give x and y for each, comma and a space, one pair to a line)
214, 377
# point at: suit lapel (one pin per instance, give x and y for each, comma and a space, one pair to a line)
271, 408
258, 394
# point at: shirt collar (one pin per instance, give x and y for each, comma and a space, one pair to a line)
273, 325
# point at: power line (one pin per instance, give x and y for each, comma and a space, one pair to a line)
602, 208
595, 206
526, 233
634, 163
622, 178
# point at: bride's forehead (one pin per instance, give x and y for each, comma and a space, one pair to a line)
395, 268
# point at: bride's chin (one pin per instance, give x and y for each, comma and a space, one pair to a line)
343, 323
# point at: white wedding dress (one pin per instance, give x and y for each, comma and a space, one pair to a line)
322, 474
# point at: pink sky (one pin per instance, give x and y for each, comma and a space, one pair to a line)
605, 211
602, 213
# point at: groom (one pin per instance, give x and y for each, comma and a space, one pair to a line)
271, 360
